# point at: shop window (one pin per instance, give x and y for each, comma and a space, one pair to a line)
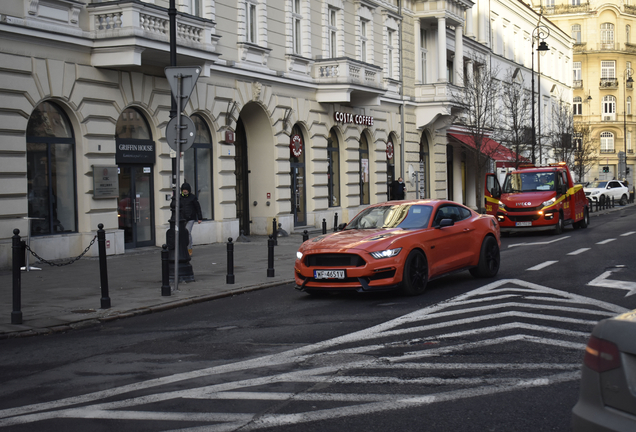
333, 173
51, 171
197, 167
364, 170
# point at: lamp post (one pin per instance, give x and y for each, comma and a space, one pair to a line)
628, 80
540, 33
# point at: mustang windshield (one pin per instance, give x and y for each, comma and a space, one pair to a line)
529, 182
405, 216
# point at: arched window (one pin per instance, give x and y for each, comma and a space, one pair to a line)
51, 171
607, 36
607, 142
577, 106
197, 166
576, 33
364, 170
333, 169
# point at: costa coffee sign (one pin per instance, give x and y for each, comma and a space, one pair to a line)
353, 118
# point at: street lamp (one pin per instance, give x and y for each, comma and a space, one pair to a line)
540, 33
628, 80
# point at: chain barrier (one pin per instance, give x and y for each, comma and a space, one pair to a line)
64, 263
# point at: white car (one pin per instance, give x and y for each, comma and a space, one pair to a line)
606, 190
607, 398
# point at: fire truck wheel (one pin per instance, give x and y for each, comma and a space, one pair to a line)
558, 228
489, 259
583, 223
623, 201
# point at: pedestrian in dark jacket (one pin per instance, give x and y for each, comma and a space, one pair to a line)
190, 210
398, 188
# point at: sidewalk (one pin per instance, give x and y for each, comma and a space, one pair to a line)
58, 299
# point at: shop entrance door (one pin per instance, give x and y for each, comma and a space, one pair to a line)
242, 180
298, 194
135, 204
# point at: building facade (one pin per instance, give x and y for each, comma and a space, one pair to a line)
302, 110
603, 95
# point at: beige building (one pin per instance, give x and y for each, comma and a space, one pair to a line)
603, 97
303, 109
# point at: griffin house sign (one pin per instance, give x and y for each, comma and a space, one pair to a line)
353, 118
139, 152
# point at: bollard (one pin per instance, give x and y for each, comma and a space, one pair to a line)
270, 257
229, 278
275, 232
613, 202
103, 272
165, 271
324, 226
16, 313
335, 222
305, 236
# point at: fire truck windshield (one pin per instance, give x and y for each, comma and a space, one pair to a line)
529, 182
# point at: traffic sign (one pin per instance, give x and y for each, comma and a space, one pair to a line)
184, 77
186, 137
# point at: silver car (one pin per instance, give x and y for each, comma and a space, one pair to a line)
607, 399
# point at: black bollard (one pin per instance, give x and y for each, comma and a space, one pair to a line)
335, 222
305, 236
275, 232
324, 226
270, 257
165, 271
16, 314
613, 202
229, 279
103, 272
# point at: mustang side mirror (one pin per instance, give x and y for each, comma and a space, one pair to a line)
445, 223
341, 226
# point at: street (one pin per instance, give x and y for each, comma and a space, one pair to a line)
470, 354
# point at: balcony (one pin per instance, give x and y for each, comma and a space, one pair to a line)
608, 83
577, 84
566, 9
125, 31
608, 151
340, 79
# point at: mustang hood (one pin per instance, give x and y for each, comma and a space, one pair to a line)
365, 239
526, 199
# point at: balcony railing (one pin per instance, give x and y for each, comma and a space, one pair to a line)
608, 150
608, 83
577, 83
566, 9
608, 46
347, 71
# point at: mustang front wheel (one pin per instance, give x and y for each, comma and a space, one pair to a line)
415, 274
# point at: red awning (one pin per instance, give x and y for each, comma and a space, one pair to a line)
489, 147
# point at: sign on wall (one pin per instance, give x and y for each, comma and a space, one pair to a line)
296, 145
105, 181
137, 151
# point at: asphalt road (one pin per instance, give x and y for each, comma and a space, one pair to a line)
470, 354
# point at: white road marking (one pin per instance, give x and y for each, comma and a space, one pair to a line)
603, 281
605, 241
579, 251
539, 243
541, 266
628, 233
376, 351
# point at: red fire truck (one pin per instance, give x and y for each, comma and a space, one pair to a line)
537, 199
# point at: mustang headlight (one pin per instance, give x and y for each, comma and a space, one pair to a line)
549, 202
386, 253
299, 255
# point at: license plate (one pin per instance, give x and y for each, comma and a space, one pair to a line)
329, 274
523, 224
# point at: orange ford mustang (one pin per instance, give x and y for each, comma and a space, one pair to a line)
400, 245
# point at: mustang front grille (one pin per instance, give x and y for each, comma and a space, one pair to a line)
334, 260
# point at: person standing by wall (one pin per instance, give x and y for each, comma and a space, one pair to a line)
190, 210
398, 189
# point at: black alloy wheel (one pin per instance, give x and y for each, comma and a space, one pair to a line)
489, 259
415, 276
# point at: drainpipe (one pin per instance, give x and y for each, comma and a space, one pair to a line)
402, 173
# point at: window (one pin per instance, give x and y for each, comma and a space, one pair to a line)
607, 35
423, 52
333, 169
577, 72
197, 166
576, 33
577, 139
628, 31
364, 170
296, 27
363, 40
629, 105
333, 32
576, 2
629, 142
549, 3
195, 8
251, 22
389, 53
51, 171
578, 106
608, 69
607, 142
609, 105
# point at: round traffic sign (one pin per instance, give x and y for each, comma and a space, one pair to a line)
188, 132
